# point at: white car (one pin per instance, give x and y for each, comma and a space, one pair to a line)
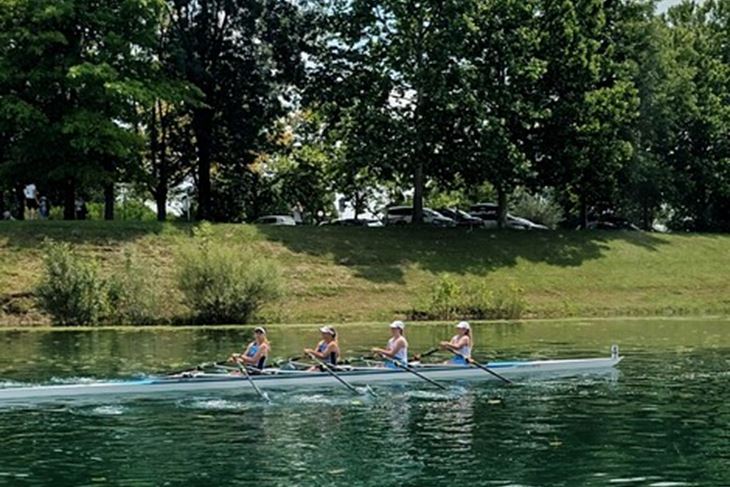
401, 215
276, 220
488, 213
518, 223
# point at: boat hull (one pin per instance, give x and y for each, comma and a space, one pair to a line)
299, 379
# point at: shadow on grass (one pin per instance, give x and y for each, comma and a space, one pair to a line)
32, 234
380, 254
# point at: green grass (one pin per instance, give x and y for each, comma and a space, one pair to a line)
369, 274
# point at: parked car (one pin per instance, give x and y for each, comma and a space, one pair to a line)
276, 220
462, 218
401, 215
601, 222
351, 222
518, 223
488, 213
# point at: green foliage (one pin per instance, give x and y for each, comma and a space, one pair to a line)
134, 294
71, 289
612, 107
223, 283
450, 299
540, 208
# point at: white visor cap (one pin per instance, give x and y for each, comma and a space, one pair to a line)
328, 329
463, 325
398, 324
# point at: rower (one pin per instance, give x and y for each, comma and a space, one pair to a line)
460, 344
256, 352
397, 348
327, 349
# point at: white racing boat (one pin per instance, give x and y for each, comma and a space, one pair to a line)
278, 378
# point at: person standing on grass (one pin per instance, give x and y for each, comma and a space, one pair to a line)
397, 348
328, 350
460, 344
43, 208
31, 200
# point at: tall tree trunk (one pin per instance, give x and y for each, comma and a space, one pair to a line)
418, 193
19, 202
583, 212
161, 201
109, 201
203, 127
158, 151
646, 223
501, 207
69, 200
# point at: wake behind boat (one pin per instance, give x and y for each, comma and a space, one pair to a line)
281, 378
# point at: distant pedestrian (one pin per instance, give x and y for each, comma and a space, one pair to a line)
43, 208
81, 209
296, 212
31, 200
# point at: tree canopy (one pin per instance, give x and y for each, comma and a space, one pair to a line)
259, 106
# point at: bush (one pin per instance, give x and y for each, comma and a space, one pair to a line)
71, 290
223, 283
451, 300
538, 208
133, 296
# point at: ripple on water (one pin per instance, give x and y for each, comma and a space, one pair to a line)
215, 404
103, 410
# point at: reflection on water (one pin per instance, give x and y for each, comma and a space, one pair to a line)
661, 420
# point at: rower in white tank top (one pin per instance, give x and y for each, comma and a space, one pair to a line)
397, 348
460, 344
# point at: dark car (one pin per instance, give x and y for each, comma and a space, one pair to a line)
601, 222
351, 222
486, 212
462, 218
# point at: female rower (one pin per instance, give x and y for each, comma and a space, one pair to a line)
460, 344
397, 348
327, 349
256, 352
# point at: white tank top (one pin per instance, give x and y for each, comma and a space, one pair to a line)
402, 355
464, 351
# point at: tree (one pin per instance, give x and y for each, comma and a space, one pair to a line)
700, 156
584, 142
243, 56
390, 70
71, 72
501, 95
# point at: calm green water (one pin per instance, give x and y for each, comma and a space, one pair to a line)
662, 420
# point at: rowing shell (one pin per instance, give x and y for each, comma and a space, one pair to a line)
291, 379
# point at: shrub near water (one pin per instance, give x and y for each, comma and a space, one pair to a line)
450, 299
223, 283
71, 289
133, 297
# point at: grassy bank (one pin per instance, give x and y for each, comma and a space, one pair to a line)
369, 274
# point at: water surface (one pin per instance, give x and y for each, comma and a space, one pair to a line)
663, 419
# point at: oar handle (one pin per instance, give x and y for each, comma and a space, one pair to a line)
427, 353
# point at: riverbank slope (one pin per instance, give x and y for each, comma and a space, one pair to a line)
367, 274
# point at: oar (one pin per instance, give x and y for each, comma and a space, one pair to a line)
426, 353
418, 374
200, 366
325, 366
476, 364
244, 370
